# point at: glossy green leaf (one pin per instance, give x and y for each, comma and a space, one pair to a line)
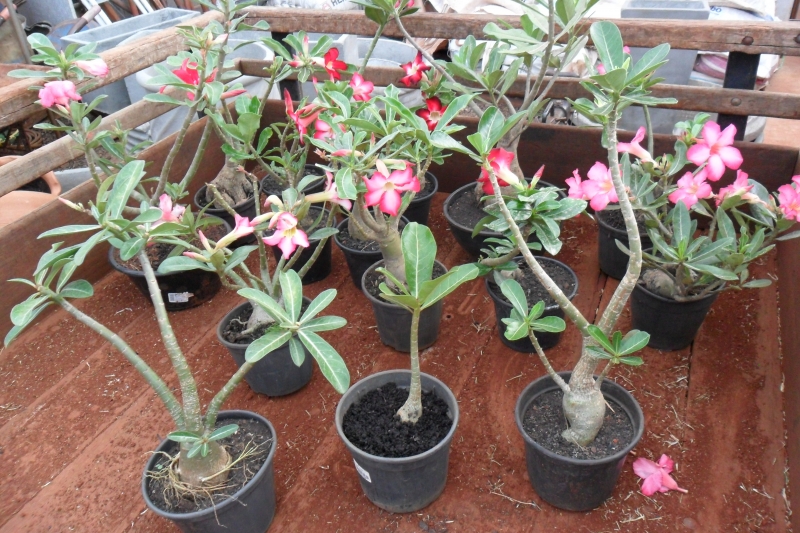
181, 263
319, 303
224, 431
270, 306
297, 351
513, 292
449, 282
608, 42
598, 335
183, 436
549, 324
634, 341
419, 254
292, 292
271, 341
78, 289
125, 182
324, 323
69, 230
330, 362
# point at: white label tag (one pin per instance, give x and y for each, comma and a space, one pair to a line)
363, 473
179, 297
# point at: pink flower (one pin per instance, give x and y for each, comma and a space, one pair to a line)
600, 69
414, 71
575, 186
95, 67
304, 117
332, 65
599, 188
322, 130
58, 92
385, 190
433, 114
232, 94
740, 187
790, 200
361, 88
244, 227
634, 148
169, 213
287, 236
691, 189
400, 2
656, 475
330, 194
500, 161
189, 75
715, 148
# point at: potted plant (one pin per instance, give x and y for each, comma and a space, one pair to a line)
398, 425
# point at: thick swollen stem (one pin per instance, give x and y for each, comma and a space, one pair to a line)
584, 405
198, 471
154, 380
258, 317
411, 411
392, 253
191, 400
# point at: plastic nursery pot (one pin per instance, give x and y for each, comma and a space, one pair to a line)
503, 309
404, 484
463, 233
420, 207
274, 375
321, 267
244, 209
180, 290
394, 322
565, 482
250, 510
358, 261
672, 325
613, 261
268, 186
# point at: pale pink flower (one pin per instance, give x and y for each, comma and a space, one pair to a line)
196, 256
691, 189
344, 152
789, 200
95, 67
244, 227
58, 92
740, 187
796, 180
715, 149
287, 235
500, 160
169, 213
414, 70
385, 190
322, 130
232, 94
575, 186
599, 188
362, 89
656, 475
400, 2
330, 194
634, 148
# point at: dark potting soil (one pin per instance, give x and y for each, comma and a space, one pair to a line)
534, 291
348, 241
425, 191
373, 426
374, 279
270, 185
467, 210
613, 217
157, 252
251, 436
239, 323
544, 421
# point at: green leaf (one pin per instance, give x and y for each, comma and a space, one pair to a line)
714, 271
598, 352
681, 223
324, 323
297, 351
598, 335
69, 230
224, 431
330, 362
148, 217
491, 125
515, 329
549, 324
181, 263
270, 306
319, 303
455, 107
22, 313
237, 257
292, 292
131, 248
126, 181
608, 41
271, 341
513, 292
183, 436
650, 61
634, 341
404, 300
757, 284
449, 282
78, 289
631, 361
419, 253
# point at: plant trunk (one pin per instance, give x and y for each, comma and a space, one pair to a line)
232, 183
411, 411
258, 317
393, 256
199, 472
584, 405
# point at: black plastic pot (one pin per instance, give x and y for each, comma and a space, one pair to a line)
406, 484
613, 261
321, 267
672, 325
358, 261
274, 375
250, 510
181, 290
244, 209
565, 482
420, 207
394, 322
463, 234
269, 188
503, 309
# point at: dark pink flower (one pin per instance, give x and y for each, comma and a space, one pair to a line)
322, 130
500, 160
433, 114
634, 148
740, 187
287, 235
599, 188
58, 93
715, 149
332, 65
656, 475
409, 5
691, 189
414, 71
303, 117
361, 88
244, 226
384, 190
575, 186
189, 75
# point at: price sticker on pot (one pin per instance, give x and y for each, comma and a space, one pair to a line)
179, 297
363, 473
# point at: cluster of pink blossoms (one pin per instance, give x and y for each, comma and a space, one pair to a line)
384, 187
62, 92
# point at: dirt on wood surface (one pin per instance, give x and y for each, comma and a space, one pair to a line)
77, 423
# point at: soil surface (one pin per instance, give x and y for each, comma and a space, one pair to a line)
613, 217
467, 210
345, 239
544, 421
233, 330
534, 291
373, 426
158, 252
270, 185
253, 441
77, 422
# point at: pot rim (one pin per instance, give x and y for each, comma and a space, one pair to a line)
438, 385
353, 250
216, 210
638, 432
378, 301
640, 286
487, 281
234, 498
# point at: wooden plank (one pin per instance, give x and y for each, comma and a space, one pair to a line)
715, 36
730, 101
17, 100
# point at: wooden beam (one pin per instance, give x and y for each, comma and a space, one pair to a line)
17, 100
715, 36
729, 101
